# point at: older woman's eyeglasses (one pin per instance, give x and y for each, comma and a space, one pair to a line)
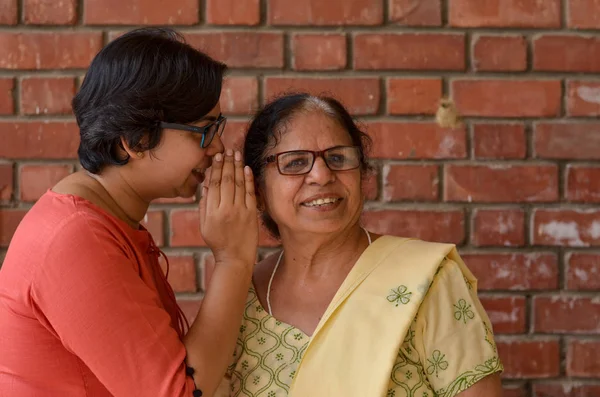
208, 131
300, 162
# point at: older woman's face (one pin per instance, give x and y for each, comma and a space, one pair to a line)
291, 200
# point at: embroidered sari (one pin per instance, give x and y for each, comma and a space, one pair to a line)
405, 322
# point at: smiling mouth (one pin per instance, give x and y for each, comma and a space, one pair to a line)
321, 202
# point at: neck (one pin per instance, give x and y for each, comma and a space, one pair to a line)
310, 255
119, 195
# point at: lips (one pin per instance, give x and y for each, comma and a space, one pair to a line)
321, 200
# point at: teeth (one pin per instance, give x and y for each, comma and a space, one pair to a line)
324, 201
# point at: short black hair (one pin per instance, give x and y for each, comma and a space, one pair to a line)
143, 77
270, 122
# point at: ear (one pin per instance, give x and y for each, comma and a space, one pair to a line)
129, 151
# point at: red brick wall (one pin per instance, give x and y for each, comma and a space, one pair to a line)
517, 187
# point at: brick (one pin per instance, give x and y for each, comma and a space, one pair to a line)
514, 271
514, 390
239, 95
233, 12
582, 358
573, 228
554, 53
566, 314
370, 186
533, 359
319, 51
502, 228
410, 13
6, 96
47, 95
583, 183
359, 95
39, 140
413, 96
565, 389
508, 98
9, 220
507, 313
184, 229
501, 183
241, 49
325, 13
189, 307
583, 14
154, 222
182, 273
563, 140
35, 180
6, 181
48, 50
49, 12
409, 51
8, 12
583, 272
140, 12
413, 140
410, 182
449, 225
505, 13
583, 98
499, 141
500, 53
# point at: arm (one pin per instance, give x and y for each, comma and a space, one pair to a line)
490, 386
229, 225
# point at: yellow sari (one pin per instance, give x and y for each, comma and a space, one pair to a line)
405, 322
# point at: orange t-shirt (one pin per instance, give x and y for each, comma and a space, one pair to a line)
85, 309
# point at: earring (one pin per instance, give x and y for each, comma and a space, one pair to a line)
140, 154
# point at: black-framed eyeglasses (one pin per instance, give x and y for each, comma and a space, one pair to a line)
208, 131
300, 162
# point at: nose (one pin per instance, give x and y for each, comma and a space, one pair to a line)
320, 173
216, 146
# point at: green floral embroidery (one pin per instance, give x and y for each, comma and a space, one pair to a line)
259, 309
242, 328
399, 295
408, 374
298, 336
261, 341
245, 365
277, 322
488, 333
436, 363
469, 285
469, 378
271, 394
279, 356
463, 311
391, 393
256, 380
292, 374
425, 394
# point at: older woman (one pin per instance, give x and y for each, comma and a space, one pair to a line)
84, 305
341, 311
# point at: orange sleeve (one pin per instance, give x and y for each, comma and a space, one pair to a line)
88, 292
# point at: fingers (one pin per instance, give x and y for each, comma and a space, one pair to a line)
213, 197
240, 189
203, 194
228, 179
250, 194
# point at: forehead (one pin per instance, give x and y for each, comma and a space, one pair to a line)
312, 130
